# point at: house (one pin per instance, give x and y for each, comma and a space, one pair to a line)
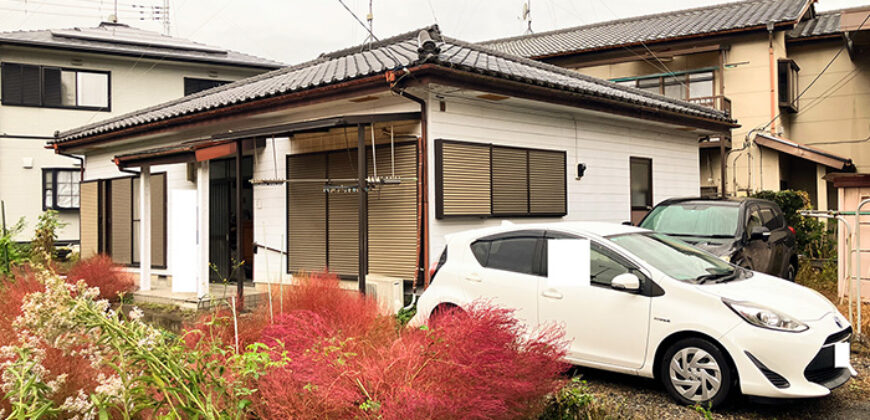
750, 59
364, 159
54, 80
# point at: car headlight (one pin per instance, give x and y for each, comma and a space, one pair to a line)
763, 317
726, 258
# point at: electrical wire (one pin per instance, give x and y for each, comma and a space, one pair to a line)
813, 82
387, 48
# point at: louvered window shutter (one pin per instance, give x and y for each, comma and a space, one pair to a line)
306, 214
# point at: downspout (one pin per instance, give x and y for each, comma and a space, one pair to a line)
770, 26
423, 254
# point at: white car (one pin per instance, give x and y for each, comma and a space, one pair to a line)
642, 303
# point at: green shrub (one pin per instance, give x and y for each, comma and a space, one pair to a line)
42, 247
815, 239
12, 253
573, 401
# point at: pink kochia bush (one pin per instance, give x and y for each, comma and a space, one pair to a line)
346, 360
100, 271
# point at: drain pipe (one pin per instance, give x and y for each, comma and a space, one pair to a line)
746, 144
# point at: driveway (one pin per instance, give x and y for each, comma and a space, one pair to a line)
631, 397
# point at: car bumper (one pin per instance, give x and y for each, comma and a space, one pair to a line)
776, 364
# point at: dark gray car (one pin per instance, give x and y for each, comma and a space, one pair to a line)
748, 232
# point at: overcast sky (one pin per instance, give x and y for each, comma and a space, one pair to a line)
292, 31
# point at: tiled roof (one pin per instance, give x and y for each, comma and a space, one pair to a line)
653, 28
826, 23
119, 39
399, 52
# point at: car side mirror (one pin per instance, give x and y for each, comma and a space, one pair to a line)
759, 232
626, 281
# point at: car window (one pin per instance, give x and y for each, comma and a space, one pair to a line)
753, 219
694, 219
509, 254
771, 218
604, 266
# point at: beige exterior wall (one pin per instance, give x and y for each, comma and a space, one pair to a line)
836, 109
135, 83
835, 112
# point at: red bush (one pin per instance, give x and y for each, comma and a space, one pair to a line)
78, 371
346, 361
99, 271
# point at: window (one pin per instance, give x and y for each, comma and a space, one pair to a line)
515, 254
754, 219
110, 219
60, 189
31, 85
641, 183
193, 85
475, 179
772, 219
788, 85
679, 85
604, 266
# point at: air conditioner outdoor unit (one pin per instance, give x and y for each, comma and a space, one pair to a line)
388, 291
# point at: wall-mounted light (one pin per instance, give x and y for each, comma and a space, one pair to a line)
581, 170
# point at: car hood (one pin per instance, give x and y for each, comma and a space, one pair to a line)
716, 246
781, 295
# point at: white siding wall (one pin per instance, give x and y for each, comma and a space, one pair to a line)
603, 144
100, 166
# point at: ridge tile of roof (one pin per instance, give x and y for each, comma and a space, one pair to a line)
652, 28
114, 38
398, 52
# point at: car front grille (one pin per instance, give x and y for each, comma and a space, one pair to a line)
839, 337
821, 369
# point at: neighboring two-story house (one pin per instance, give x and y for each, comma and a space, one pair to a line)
752, 59
54, 80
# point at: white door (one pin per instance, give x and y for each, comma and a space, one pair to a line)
509, 274
605, 325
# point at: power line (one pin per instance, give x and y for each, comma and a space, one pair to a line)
813, 82
387, 48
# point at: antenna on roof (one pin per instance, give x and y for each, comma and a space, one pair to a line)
167, 27
114, 17
370, 19
527, 15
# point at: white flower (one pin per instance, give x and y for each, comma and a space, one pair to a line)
136, 314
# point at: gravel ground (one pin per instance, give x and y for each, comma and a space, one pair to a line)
625, 396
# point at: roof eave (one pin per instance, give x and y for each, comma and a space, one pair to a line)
108, 51
780, 25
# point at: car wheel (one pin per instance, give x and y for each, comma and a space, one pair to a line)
791, 271
440, 312
694, 371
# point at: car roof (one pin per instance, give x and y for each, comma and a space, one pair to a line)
730, 201
600, 229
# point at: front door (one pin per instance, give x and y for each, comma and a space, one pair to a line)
605, 325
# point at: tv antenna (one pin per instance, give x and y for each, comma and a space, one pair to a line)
527, 16
370, 20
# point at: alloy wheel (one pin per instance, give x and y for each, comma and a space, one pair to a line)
695, 374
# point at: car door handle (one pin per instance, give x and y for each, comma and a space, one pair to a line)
553, 294
474, 277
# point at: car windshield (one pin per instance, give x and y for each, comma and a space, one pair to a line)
694, 219
675, 258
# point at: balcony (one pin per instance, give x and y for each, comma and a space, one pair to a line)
719, 103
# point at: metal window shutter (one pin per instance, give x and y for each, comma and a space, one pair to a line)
10, 82
158, 220
465, 183
90, 218
306, 214
510, 187
547, 182
31, 89
393, 215
343, 217
52, 86
121, 220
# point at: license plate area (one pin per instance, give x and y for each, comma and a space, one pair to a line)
841, 355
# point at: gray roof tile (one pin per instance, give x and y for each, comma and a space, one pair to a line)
389, 54
826, 23
119, 39
653, 28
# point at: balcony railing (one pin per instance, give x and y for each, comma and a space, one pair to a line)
720, 103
